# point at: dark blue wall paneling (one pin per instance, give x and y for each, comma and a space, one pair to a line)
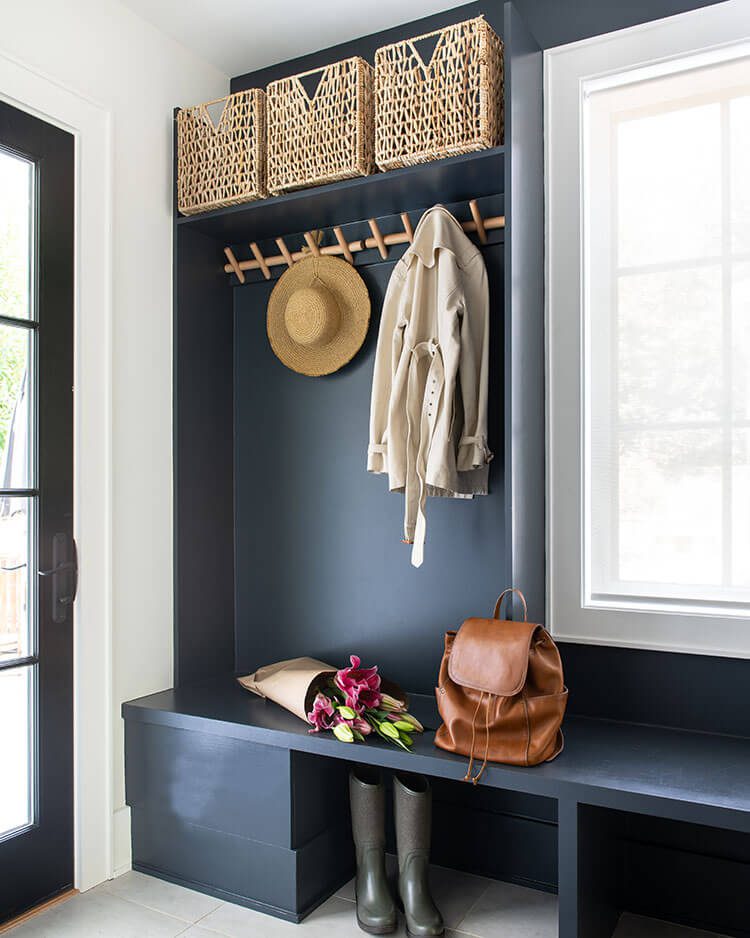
554, 22
319, 562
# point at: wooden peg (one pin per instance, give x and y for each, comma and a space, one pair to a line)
478, 221
260, 259
343, 244
407, 226
281, 244
235, 266
379, 240
312, 243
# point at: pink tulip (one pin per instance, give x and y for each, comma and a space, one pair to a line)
361, 686
323, 714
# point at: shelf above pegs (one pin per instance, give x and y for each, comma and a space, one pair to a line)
413, 188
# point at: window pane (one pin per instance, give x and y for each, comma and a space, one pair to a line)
16, 178
741, 339
740, 178
660, 159
659, 474
669, 345
17, 734
667, 336
16, 614
741, 500
15, 410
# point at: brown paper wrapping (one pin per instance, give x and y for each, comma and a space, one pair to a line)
293, 684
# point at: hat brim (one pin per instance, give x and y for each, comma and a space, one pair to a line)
353, 301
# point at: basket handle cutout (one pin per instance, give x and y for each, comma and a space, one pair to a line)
311, 82
425, 47
215, 112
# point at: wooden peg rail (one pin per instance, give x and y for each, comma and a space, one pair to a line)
478, 225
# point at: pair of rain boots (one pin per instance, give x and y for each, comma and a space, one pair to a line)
412, 801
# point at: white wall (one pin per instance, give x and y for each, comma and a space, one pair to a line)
102, 51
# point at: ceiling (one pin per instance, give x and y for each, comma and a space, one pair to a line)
239, 36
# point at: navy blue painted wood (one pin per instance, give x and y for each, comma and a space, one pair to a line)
686, 776
285, 883
524, 318
554, 22
690, 692
321, 569
262, 825
457, 179
203, 454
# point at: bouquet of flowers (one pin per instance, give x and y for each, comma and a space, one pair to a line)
353, 704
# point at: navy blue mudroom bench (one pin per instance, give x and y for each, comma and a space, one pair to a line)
231, 795
284, 546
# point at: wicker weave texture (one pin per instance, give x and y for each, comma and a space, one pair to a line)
451, 104
221, 163
324, 137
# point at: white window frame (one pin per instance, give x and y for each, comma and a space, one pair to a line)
667, 627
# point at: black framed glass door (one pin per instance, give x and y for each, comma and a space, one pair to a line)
38, 566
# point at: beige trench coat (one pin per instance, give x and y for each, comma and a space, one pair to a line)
428, 416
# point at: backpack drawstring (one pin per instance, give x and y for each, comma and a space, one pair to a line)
468, 777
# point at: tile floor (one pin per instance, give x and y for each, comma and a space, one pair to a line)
138, 906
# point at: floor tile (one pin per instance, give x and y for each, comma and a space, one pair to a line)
508, 911
99, 914
635, 926
456, 893
185, 904
335, 918
195, 931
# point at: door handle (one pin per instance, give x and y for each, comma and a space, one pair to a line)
59, 566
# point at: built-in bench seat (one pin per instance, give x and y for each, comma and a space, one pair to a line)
231, 794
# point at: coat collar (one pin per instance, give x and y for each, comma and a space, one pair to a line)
438, 229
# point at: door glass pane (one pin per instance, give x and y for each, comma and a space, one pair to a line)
15, 409
16, 556
16, 195
17, 733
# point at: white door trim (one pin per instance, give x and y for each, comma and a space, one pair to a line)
46, 98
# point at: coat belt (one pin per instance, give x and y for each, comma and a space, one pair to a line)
424, 396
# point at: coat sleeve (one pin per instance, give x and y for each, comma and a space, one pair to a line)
474, 369
387, 356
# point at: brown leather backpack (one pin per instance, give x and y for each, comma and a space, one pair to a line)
501, 692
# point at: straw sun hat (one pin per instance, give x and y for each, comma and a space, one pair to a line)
318, 315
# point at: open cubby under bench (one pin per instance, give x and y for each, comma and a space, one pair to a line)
231, 795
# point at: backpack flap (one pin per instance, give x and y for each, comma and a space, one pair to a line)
492, 655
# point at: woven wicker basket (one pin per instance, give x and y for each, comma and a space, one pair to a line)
452, 104
221, 162
324, 137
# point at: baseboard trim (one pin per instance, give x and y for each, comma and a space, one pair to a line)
224, 895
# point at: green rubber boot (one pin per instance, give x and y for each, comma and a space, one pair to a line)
412, 800
376, 909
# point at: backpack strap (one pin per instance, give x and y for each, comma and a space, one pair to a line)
511, 589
